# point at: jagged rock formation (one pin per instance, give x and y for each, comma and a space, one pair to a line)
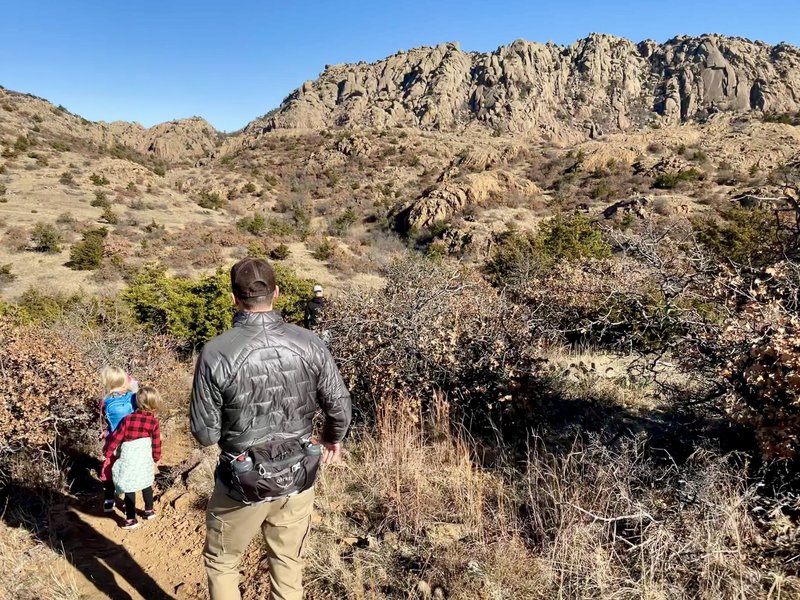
598, 85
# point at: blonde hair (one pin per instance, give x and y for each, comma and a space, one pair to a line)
112, 378
148, 399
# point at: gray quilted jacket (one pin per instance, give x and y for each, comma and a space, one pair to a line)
265, 379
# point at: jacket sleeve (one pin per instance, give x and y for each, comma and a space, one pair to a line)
156, 437
206, 407
116, 438
334, 399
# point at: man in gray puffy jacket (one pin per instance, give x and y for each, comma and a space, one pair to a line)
262, 381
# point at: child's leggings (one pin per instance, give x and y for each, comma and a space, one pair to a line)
108, 490
130, 502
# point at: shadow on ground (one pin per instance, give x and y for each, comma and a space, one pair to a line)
672, 434
57, 519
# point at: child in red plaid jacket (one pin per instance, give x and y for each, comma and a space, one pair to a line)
138, 439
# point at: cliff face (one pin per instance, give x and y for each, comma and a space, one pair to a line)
597, 85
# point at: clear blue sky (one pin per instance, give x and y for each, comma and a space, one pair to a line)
232, 60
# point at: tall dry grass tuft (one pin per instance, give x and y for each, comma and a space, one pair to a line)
616, 523
409, 506
411, 512
428, 476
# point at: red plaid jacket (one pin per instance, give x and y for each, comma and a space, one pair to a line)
138, 424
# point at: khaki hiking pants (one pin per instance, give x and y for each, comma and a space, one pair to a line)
231, 525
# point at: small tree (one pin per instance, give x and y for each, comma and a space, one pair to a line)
46, 238
343, 222
572, 238
519, 256
195, 310
210, 200
280, 252
109, 216
100, 199
98, 179
255, 224
87, 254
6, 274
747, 236
324, 250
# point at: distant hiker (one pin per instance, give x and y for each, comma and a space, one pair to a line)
119, 401
138, 439
256, 390
315, 307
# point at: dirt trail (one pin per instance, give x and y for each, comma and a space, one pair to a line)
160, 560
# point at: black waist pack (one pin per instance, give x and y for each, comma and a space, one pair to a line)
275, 469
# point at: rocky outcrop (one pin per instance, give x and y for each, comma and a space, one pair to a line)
449, 198
355, 145
665, 165
180, 140
597, 85
637, 206
770, 196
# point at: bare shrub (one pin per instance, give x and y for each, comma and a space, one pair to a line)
322, 248
757, 352
45, 397
52, 401
433, 327
661, 206
16, 239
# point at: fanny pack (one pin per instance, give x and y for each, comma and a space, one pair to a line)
275, 469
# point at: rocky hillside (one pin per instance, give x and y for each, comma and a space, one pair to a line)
417, 150
597, 85
182, 140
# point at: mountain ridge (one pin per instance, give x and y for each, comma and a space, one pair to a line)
562, 93
599, 84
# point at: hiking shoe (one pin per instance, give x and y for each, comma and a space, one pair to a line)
150, 514
108, 506
130, 524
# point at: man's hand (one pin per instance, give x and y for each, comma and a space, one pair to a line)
331, 453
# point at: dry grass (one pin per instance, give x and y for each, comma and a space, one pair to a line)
411, 512
608, 529
606, 377
29, 570
412, 515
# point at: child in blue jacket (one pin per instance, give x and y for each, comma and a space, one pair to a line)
119, 401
